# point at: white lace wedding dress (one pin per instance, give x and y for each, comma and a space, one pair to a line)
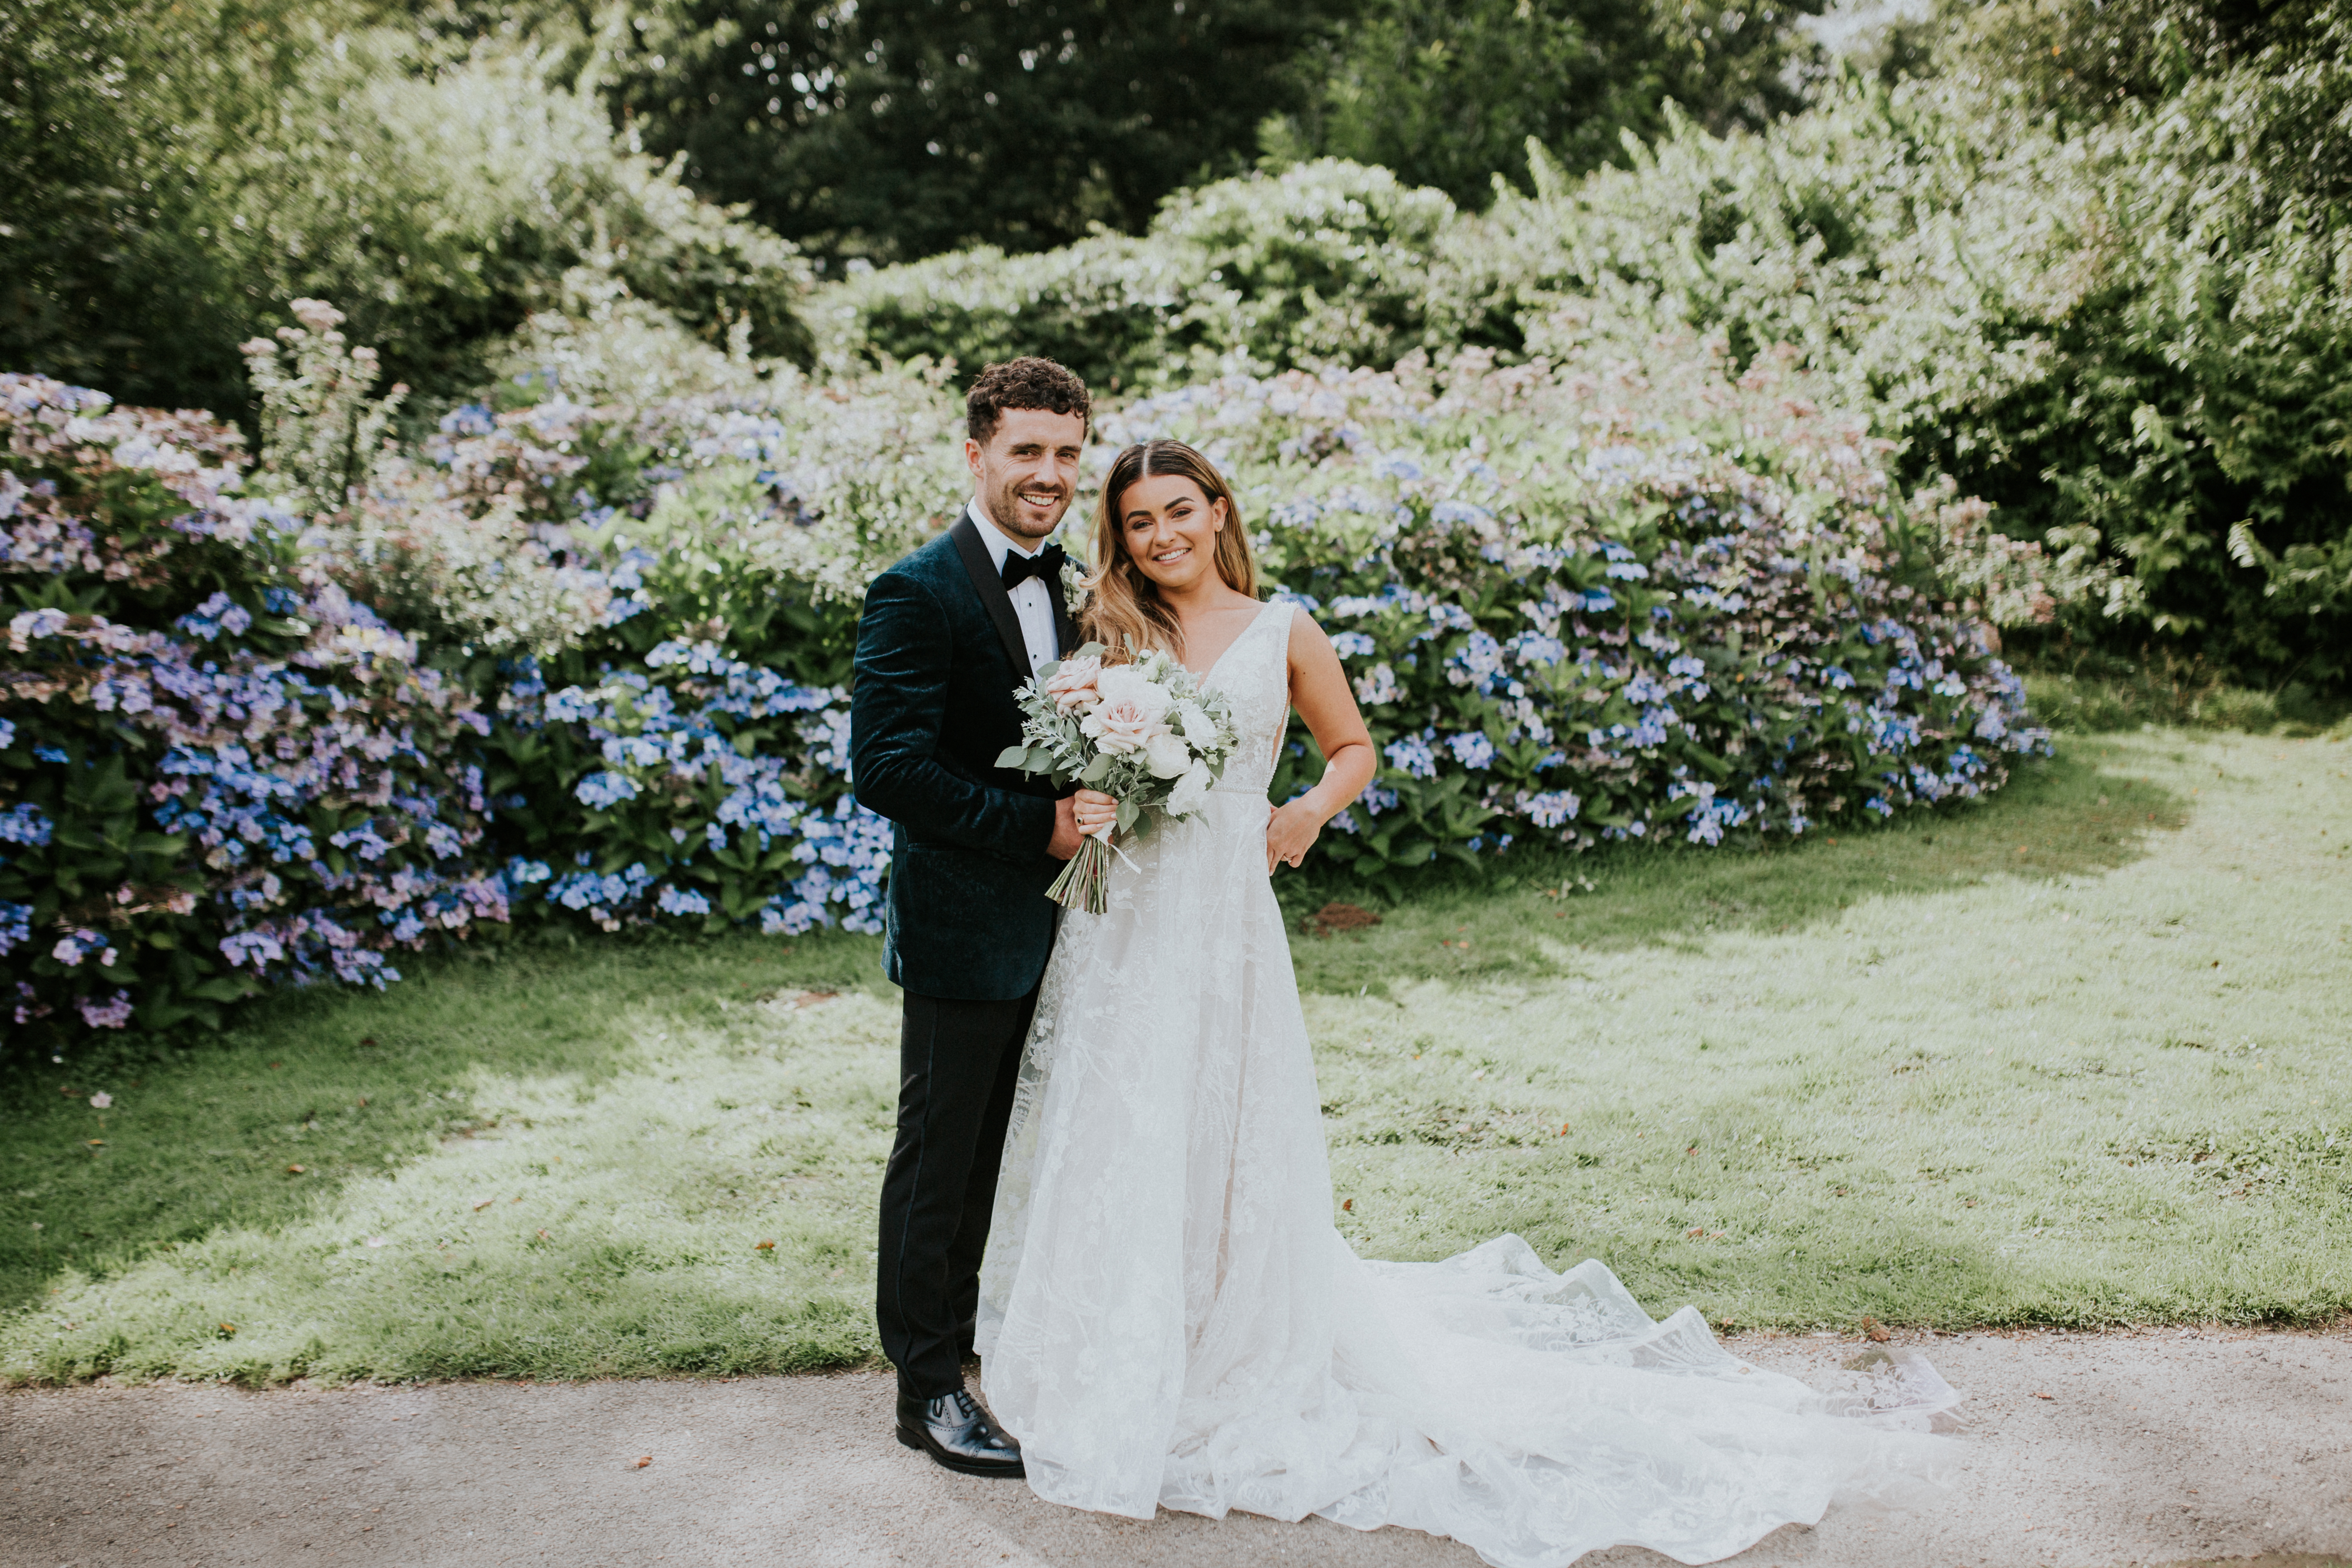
1169, 1316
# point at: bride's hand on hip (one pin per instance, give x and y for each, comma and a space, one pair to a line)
1290, 833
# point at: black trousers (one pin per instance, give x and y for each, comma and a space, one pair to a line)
958, 1062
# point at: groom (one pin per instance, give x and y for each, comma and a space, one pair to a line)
947, 635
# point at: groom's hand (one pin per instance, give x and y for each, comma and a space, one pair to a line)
1066, 837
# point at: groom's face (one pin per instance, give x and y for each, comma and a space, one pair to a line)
1026, 472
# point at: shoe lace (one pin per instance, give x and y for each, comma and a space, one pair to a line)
971, 1410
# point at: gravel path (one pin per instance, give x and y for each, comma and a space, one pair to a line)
2157, 1447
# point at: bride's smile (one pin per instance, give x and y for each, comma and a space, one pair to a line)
1171, 531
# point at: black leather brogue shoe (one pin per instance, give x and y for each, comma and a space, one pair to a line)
956, 1432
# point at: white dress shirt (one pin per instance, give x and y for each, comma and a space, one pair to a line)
1033, 602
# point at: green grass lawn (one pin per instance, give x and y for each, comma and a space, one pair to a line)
2074, 1055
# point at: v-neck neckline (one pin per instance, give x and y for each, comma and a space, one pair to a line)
1205, 676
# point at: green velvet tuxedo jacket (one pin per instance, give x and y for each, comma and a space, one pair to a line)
940, 656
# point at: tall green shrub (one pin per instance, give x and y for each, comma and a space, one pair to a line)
176, 173
892, 129
1447, 94
1327, 262
2131, 336
2122, 336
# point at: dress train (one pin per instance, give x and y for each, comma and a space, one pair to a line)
1169, 1318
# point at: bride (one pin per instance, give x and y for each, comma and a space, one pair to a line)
1169, 1316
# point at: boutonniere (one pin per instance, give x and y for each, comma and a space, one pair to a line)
1073, 571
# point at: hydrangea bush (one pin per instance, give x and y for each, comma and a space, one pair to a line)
697, 787
1599, 602
215, 772
672, 743
583, 657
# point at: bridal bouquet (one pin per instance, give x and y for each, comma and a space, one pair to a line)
1146, 733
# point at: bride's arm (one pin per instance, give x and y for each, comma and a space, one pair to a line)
1318, 689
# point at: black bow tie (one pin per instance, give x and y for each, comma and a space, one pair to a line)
1045, 566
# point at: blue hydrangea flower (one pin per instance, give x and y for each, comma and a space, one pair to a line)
603, 791
24, 823
1411, 755
1472, 749
682, 901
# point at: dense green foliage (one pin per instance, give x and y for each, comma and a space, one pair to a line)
894, 129
1447, 94
2117, 334
2091, 271
902, 128
176, 173
1329, 261
2131, 335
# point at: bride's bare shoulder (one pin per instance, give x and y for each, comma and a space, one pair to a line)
1310, 646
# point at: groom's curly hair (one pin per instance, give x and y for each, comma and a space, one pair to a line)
1025, 383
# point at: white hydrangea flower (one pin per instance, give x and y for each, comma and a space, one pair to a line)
1166, 756
1191, 791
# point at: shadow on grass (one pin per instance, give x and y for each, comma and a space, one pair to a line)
2088, 809
264, 1123
342, 1083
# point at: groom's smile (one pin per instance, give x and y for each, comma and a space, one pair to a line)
1027, 470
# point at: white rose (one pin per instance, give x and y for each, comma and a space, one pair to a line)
1166, 756
1191, 791
1120, 725
1194, 720
1125, 683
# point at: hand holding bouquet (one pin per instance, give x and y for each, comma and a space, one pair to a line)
1147, 734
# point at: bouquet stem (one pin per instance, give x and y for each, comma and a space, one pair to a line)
1085, 881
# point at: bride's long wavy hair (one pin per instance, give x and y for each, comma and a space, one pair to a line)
1124, 611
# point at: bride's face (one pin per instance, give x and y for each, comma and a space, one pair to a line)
1169, 529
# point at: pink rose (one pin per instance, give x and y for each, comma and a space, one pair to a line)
1123, 725
1072, 686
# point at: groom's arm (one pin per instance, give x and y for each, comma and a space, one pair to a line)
897, 711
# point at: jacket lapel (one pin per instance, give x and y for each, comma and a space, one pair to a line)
990, 589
